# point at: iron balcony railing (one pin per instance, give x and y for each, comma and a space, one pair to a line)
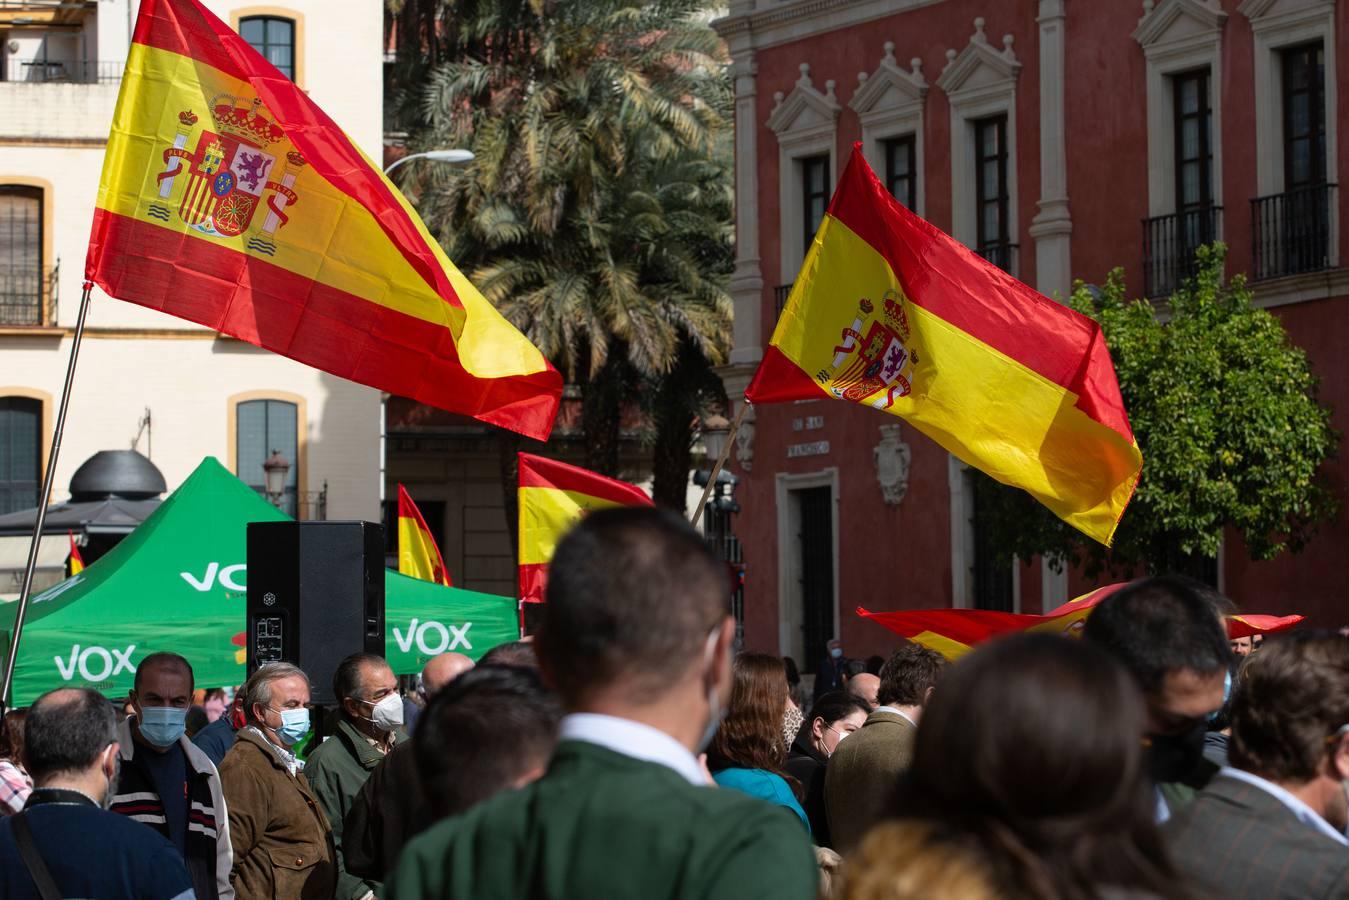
1002, 254
306, 506
1169, 245
62, 71
1291, 232
780, 295
28, 298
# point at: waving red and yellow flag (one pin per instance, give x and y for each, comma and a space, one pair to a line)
890, 312
230, 199
418, 555
553, 495
76, 560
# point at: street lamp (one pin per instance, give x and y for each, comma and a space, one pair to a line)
716, 428
276, 467
454, 157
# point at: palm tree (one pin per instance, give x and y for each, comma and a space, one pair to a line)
597, 214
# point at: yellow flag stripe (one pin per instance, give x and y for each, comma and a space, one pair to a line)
546, 514
415, 556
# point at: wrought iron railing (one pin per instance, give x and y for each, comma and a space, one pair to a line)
1291, 232
29, 298
67, 71
1169, 245
1002, 254
780, 295
305, 506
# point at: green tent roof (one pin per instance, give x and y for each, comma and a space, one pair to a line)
178, 582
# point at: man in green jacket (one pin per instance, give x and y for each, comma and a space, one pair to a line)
636, 640
369, 727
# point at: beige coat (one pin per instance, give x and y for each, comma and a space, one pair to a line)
283, 846
862, 773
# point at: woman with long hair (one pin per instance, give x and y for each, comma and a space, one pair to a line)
15, 785
833, 717
1028, 754
748, 753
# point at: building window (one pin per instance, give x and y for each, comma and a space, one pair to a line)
261, 427
20, 453
1304, 116
274, 38
1194, 153
993, 241
814, 195
22, 294
901, 168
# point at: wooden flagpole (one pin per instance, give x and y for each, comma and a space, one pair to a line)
721, 461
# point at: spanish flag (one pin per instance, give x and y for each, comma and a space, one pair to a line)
890, 312
954, 632
418, 555
553, 496
230, 199
76, 561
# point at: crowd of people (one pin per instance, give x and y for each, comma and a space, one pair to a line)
629, 751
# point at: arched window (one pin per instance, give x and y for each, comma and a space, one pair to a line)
274, 38
22, 299
20, 453
262, 426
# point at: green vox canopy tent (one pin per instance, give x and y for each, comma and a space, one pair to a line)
179, 583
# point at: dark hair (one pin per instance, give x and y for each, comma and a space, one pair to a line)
167, 660
836, 705
1159, 625
11, 735
1294, 694
908, 674
633, 593
195, 720
511, 653
793, 673
66, 731
483, 731
347, 676
852, 668
874, 664
750, 736
1030, 752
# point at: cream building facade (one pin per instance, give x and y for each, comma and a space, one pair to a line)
203, 394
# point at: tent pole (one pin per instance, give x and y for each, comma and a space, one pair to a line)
48, 477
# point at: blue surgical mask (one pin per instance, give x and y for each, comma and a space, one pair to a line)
294, 725
836, 652
162, 725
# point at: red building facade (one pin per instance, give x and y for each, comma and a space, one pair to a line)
1060, 139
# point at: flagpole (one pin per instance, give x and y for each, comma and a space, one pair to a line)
721, 461
48, 477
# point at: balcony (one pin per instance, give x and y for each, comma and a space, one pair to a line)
1169, 245
29, 300
780, 295
306, 506
62, 71
1002, 254
1291, 232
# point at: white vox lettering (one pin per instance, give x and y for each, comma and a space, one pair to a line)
461, 636
227, 577
109, 663
205, 583
404, 642
432, 638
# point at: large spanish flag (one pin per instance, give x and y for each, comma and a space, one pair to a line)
553, 496
230, 199
418, 555
954, 632
890, 312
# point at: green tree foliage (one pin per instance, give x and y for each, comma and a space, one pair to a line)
1224, 409
597, 214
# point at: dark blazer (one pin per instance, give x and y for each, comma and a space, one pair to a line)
390, 809
1241, 843
807, 767
862, 773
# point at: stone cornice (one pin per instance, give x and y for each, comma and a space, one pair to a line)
793, 20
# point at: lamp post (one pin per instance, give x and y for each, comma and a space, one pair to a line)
453, 157
721, 507
275, 469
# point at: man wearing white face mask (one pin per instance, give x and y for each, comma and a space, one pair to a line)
166, 782
283, 847
371, 725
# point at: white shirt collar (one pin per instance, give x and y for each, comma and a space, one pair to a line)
897, 711
634, 740
287, 757
1304, 813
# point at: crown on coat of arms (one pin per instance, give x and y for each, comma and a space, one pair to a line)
295, 158
234, 118
187, 117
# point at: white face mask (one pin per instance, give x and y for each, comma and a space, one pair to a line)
387, 714
715, 712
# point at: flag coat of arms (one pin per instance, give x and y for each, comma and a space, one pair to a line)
553, 496
889, 312
230, 199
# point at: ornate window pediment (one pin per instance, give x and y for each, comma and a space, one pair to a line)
889, 104
805, 108
979, 65
1181, 22
889, 86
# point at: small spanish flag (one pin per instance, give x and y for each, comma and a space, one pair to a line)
76, 561
889, 312
230, 199
954, 632
418, 555
553, 496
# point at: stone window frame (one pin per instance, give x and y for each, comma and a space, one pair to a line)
889, 103
806, 124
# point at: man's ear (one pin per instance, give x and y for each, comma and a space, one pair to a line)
927, 695
1339, 757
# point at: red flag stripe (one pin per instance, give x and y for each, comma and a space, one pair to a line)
537, 471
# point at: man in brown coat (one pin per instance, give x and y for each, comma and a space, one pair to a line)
863, 769
283, 846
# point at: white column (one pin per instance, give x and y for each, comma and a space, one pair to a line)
746, 284
1052, 227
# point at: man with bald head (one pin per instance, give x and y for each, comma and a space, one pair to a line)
437, 673
865, 687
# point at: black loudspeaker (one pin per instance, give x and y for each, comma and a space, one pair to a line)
315, 596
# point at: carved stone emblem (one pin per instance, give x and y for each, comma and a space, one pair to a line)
892, 457
744, 442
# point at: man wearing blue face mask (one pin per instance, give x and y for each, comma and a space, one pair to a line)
166, 782
283, 846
